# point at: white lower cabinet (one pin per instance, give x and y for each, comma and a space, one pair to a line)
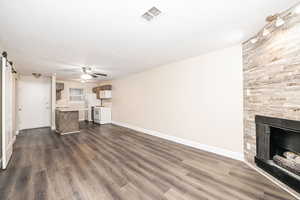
102, 115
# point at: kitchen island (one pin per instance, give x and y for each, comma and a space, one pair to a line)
67, 120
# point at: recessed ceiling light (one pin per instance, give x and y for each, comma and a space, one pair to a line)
279, 22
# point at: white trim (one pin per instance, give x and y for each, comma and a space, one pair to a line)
274, 180
212, 149
53, 101
3, 128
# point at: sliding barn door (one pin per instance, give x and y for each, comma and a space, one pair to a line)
7, 113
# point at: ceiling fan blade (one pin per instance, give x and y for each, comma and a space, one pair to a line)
93, 75
99, 74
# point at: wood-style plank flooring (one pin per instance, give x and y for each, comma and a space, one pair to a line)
113, 163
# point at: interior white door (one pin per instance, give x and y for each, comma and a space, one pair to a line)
34, 102
7, 115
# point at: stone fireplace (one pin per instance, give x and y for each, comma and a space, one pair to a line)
271, 72
278, 149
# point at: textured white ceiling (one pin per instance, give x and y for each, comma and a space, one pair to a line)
52, 35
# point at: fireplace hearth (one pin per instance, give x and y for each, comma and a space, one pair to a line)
278, 149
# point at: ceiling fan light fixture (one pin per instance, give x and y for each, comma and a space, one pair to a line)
36, 75
89, 70
86, 77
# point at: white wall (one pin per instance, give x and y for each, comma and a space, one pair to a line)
199, 99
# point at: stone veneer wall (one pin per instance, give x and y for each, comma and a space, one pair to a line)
271, 79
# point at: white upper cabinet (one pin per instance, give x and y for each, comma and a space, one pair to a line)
105, 94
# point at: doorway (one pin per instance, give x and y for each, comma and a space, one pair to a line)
33, 102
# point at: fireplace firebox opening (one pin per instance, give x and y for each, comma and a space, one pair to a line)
278, 149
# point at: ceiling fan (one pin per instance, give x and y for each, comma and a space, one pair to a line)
85, 73
89, 73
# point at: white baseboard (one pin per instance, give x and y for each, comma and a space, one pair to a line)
212, 149
9, 152
274, 180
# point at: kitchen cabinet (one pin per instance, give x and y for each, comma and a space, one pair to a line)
59, 88
104, 94
102, 115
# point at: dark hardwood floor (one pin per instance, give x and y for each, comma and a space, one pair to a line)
111, 162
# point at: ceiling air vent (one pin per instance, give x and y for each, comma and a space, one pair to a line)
147, 16
151, 13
